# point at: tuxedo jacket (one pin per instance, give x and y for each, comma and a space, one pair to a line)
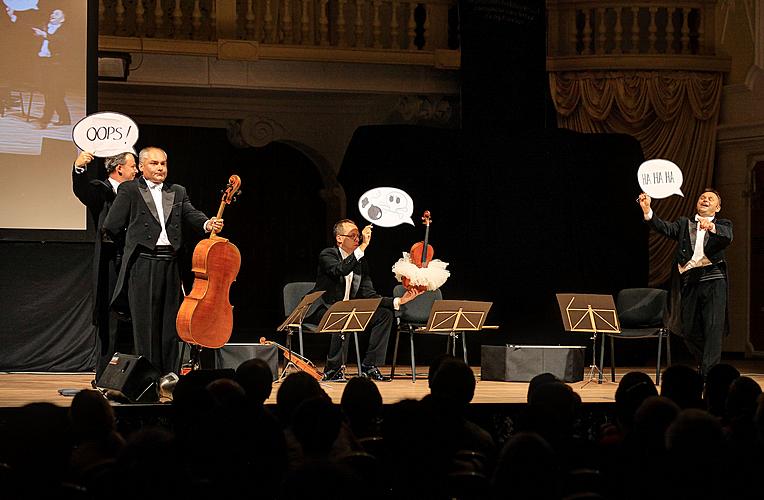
330, 278
97, 196
133, 217
683, 231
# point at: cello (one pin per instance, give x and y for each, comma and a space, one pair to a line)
205, 317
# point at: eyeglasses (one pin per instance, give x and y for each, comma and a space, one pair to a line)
355, 236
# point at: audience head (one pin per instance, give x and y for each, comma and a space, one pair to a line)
295, 389
695, 435
538, 381
742, 399
227, 394
453, 381
551, 411
683, 385
37, 447
651, 420
633, 389
717, 387
91, 416
362, 404
527, 468
316, 424
434, 366
256, 377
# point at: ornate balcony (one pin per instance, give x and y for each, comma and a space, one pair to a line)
620, 35
353, 31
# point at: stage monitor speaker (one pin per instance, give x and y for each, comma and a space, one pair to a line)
130, 378
232, 355
520, 363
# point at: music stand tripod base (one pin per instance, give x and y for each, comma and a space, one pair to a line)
590, 313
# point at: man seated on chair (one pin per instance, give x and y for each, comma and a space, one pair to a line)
343, 273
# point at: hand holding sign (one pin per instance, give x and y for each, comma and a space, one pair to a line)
660, 178
105, 134
386, 206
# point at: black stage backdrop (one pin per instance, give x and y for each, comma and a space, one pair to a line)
518, 217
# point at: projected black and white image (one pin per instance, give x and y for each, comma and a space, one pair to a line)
43, 92
42, 72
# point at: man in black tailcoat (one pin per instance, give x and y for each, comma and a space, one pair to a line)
150, 214
97, 196
343, 273
701, 283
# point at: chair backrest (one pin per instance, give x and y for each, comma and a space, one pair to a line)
418, 310
641, 307
294, 292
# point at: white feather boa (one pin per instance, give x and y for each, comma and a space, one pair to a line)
433, 276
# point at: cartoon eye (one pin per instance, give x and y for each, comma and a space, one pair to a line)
375, 213
391, 199
397, 199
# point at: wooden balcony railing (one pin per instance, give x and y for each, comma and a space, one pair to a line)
635, 34
380, 26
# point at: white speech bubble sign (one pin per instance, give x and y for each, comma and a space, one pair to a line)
660, 178
386, 206
21, 5
105, 134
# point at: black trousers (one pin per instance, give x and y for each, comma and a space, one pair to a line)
112, 330
154, 294
704, 309
379, 333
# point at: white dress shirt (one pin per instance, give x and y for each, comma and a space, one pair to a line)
156, 194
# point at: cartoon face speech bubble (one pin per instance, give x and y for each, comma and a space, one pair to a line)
660, 178
105, 134
386, 206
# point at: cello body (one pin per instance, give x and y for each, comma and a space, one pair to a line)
206, 316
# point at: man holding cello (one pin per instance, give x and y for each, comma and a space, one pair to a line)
149, 214
343, 273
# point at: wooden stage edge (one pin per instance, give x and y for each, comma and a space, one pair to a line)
20, 388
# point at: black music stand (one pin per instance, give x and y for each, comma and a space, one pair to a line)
349, 316
591, 313
454, 317
293, 323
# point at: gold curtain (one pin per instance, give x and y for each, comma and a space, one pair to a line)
673, 115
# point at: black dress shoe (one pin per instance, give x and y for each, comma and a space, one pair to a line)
373, 373
334, 375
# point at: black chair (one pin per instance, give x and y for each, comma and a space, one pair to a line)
293, 294
641, 312
413, 315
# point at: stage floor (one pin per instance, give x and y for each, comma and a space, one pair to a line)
18, 389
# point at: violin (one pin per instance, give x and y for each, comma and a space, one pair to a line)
205, 317
300, 362
421, 252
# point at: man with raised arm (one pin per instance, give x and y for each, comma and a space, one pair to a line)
701, 286
98, 195
343, 273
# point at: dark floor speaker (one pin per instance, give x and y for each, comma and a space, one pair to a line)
232, 355
130, 378
520, 363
